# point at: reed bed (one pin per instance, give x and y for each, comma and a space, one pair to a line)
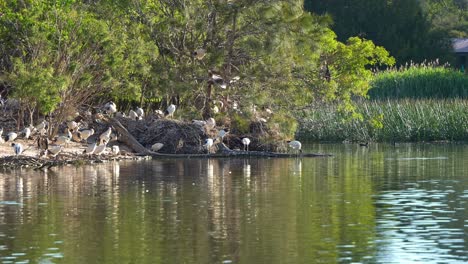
403, 120
427, 80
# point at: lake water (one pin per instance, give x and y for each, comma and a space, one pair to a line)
382, 204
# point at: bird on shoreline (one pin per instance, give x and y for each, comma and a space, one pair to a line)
157, 146
11, 137
115, 150
295, 145
246, 143
54, 150
90, 149
18, 148
208, 144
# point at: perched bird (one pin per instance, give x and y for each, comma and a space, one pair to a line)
54, 150
170, 110
295, 145
90, 149
41, 125
18, 148
215, 109
208, 144
222, 133
60, 140
110, 108
27, 132
199, 53
210, 123
11, 136
120, 114
85, 134
115, 150
133, 115
105, 137
139, 111
157, 146
42, 143
72, 125
100, 149
246, 143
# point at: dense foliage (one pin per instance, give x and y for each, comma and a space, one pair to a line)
411, 30
427, 80
56, 56
391, 121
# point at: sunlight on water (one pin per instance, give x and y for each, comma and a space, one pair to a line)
381, 204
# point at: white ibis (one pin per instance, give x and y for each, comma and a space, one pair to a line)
11, 136
208, 144
170, 110
18, 148
246, 143
157, 146
27, 132
139, 111
100, 149
295, 145
210, 123
54, 150
105, 137
110, 108
85, 134
133, 115
90, 149
115, 150
72, 125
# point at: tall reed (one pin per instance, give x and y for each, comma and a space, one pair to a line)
403, 120
427, 80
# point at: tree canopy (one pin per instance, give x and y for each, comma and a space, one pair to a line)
61, 55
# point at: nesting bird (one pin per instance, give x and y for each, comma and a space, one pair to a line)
141, 114
295, 145
100, 149
132, 115
170, 110
11, 136
210, 123
18, 148
246, 143
110, 108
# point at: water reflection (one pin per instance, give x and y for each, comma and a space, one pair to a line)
363, 205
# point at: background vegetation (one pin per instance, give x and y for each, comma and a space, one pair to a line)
57, 56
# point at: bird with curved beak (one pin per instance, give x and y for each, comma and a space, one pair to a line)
295, 145
18, 148
246, 143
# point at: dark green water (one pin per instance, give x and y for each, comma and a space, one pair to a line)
382, 204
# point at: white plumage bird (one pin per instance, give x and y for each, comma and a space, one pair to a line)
27, 132
115, 150
295, 145
100, 149
72, 125
132, 115
85, 134
90, 149
222, 133
170, 110
105, 137
139, 111
18, 148
110, 108
54, 150
246, 143
208, 144
157, 146
11, 136
210, 123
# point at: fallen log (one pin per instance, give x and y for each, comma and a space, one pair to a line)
223, 150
